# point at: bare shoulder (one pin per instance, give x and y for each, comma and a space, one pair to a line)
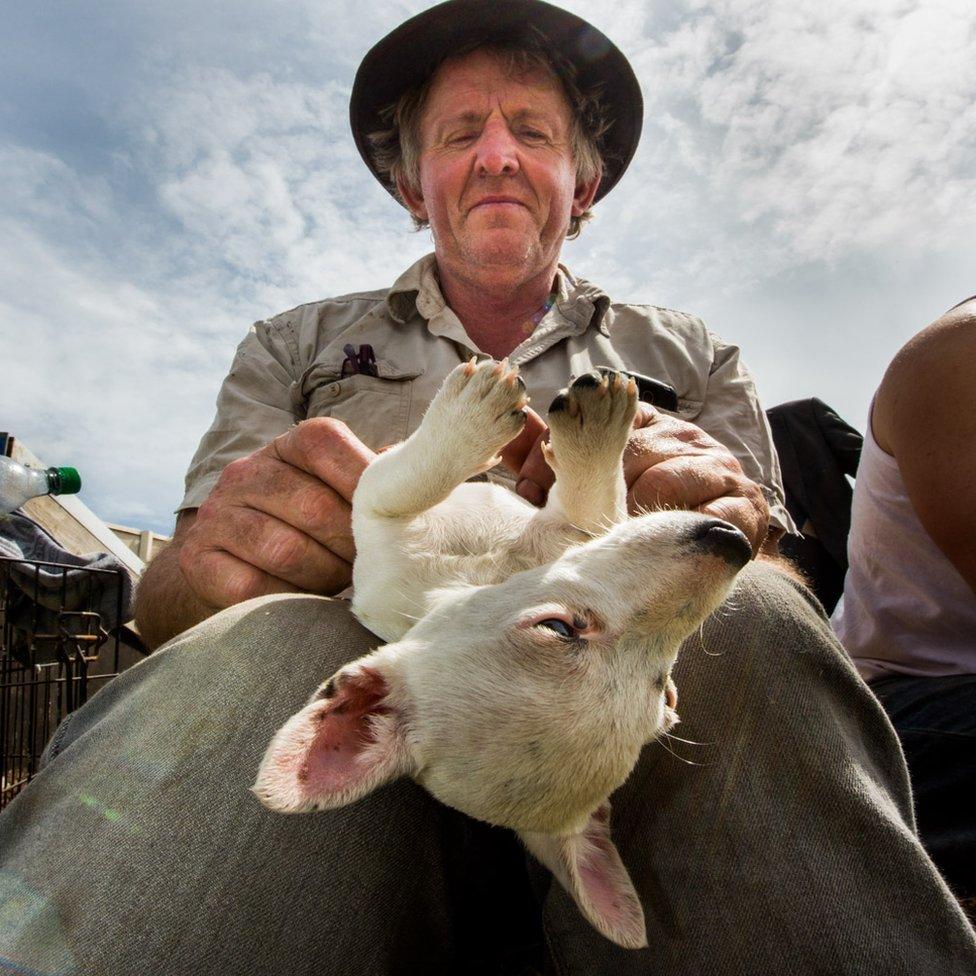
925, 417
930, 383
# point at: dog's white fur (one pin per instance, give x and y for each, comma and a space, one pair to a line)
530, 650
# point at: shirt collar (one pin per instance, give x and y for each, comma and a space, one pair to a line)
404, 297
418, 289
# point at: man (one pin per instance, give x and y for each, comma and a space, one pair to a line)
908, 617
507, 162
786, 842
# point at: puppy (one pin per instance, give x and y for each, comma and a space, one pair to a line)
529, 650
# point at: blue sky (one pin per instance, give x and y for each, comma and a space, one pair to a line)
806, 184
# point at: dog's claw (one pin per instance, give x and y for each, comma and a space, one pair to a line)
470, 366
589, 380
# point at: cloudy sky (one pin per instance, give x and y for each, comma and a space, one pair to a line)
173, 172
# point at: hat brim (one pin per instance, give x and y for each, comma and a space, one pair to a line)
407, 56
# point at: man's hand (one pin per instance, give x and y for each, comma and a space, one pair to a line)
668, 463
279, 520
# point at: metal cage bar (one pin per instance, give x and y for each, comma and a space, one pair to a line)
50, 662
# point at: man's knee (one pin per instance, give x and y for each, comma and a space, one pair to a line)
766, 601
255, 663
769, 652
308, 637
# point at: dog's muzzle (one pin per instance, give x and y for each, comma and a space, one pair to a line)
722, 539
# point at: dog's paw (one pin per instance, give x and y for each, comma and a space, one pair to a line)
598, 408
480, 404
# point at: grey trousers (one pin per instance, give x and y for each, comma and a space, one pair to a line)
779, 839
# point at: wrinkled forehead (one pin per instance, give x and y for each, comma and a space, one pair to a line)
473, 84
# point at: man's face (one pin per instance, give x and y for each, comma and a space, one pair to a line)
497, 175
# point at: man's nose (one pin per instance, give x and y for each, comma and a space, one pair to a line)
497, 152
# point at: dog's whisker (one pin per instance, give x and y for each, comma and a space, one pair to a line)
688, 762
690, 742
701, 639
579, 528
412, 602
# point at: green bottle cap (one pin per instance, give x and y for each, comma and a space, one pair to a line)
69, 481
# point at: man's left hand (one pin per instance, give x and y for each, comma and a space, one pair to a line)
668, 463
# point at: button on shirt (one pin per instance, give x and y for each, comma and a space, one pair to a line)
289, 368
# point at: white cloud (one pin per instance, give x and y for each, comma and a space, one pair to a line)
803, 131
263, 174
93, 354
121, 351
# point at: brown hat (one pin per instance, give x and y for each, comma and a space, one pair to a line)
409, 55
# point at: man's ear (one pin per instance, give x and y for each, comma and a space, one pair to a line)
413, 198
584, 194
345, 743
588, 866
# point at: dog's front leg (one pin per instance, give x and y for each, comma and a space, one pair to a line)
589, 425
475, 413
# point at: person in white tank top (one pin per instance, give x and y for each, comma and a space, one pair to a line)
908, 613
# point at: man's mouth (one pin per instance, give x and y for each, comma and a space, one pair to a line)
498, 201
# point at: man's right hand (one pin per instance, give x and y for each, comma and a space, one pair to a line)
278, 520
668, 463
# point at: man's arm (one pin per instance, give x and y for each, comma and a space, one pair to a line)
277, 521
925, 417
165, 604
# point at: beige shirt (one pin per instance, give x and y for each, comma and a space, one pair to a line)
289, 368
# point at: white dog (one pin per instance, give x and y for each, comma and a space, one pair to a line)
530, 650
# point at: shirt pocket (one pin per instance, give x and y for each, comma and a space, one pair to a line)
688, 409
376, 408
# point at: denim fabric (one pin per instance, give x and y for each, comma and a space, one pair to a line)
780, 842
935, 718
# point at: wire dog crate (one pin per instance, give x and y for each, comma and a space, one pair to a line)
55, 651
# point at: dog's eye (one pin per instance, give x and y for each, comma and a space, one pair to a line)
559, 627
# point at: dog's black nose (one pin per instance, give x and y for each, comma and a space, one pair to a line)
723, 540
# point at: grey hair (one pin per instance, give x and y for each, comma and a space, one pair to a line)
396, 149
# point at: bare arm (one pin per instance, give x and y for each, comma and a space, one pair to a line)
165, 604
277, 521
925, 417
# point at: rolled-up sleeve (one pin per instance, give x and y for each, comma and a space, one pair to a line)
733, 415
254, 405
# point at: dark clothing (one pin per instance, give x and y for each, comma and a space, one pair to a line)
816, 450
935, 718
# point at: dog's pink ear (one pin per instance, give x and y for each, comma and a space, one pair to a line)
588, 866
348, 741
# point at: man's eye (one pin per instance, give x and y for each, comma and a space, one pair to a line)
459, 138
559, 627
533, 134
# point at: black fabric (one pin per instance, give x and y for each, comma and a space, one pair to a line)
410, 54
816, 449
935, 718
44, 581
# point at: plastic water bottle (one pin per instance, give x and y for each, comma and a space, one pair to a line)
19, 484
